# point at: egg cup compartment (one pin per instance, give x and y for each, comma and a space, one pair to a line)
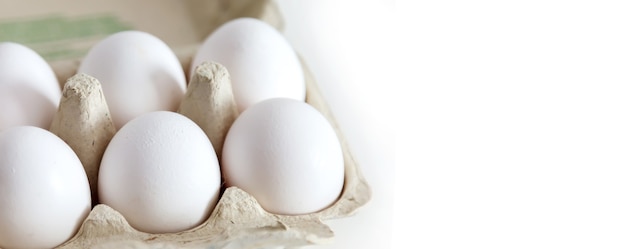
238, 221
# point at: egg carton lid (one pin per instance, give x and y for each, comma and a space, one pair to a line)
63, 31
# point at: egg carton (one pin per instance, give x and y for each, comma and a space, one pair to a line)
237, 221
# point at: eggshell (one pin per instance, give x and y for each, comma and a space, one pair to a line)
29, 89
139, 73
161, 173
261, 62
44, 193
285, 154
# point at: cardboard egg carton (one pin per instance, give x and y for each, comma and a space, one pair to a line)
238, 221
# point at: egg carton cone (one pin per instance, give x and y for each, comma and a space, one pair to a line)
85, 124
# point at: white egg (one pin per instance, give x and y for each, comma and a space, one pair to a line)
139, 73
161, 173
285, 154
261, 62
29, 90
44, 193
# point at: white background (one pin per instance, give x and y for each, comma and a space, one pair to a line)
511, 119
520, 124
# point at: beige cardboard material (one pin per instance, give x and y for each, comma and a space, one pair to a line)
83, 121
210, 103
